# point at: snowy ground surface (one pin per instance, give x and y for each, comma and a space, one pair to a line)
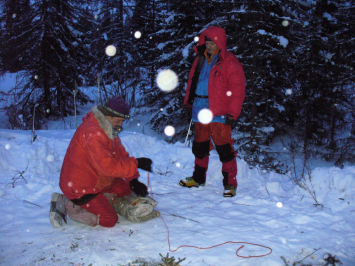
269, 210
201, 217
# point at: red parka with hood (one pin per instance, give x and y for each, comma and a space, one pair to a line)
95, 160
226, 85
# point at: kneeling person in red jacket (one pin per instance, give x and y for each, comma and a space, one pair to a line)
98, 175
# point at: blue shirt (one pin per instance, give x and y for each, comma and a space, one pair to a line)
202, 90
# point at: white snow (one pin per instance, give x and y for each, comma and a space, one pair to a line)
328, 16
268, 210
185, 51
282, 40
160, 46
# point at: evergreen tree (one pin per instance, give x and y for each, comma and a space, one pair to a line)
258, 34
322, 103
56, 55
298, 58
15, 31
183, 22
117, 72
339, 56
144, 23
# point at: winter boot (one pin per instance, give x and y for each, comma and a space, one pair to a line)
189, 182
58, 211
229, 191
136, 209
197, 179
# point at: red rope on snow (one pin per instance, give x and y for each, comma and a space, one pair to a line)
228, 242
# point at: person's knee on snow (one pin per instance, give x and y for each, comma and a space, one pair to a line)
110, 168
80, 215
108, 221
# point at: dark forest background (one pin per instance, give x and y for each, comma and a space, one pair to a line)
298, 57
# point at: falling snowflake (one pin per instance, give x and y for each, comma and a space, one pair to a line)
167, 80
110, 50
137, 34
205, 116
169, 131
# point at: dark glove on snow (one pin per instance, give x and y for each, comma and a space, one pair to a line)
230, 121
188, 113
139, 188
145, 164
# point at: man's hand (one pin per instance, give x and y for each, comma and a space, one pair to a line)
139, 188
145, 164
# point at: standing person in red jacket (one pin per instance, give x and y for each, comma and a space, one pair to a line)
97, 172
217, 83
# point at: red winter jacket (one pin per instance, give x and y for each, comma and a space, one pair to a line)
226, 84
95, 159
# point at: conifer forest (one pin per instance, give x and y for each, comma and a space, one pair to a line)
298, 57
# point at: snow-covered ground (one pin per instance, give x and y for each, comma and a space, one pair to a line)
268, 210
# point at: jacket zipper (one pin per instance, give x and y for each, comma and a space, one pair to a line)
215, 73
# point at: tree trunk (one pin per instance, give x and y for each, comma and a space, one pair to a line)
46, 86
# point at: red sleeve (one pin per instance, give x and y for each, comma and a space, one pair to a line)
236, 83
109, 161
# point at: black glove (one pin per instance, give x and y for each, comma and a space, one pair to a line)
230, 121
139, 188
188, 113
145, 164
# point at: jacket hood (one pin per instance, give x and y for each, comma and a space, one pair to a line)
217, 35
101, 119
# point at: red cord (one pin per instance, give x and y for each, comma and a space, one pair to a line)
228, 242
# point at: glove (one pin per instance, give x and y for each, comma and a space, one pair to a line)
145, 164
139, 188
188, 113
230, 121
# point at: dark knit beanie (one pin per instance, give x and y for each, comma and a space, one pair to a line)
116, 107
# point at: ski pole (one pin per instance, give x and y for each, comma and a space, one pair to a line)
189, 133
33, 135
